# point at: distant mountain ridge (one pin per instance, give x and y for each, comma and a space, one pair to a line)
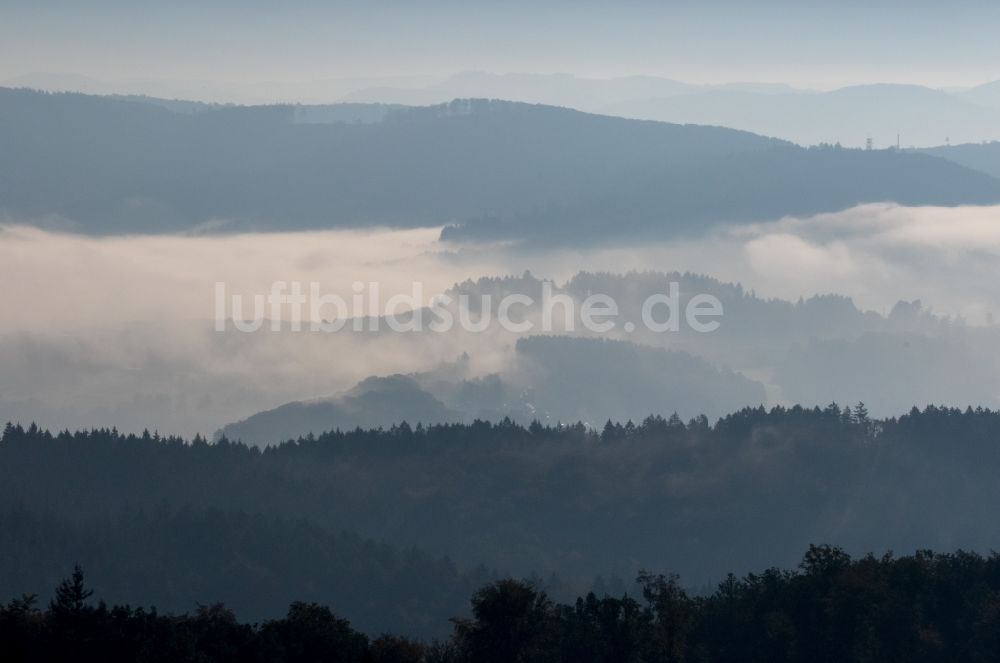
490, 169
912, 114
984, 157
922, 116
987, 94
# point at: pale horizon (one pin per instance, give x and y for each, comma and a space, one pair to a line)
823, 46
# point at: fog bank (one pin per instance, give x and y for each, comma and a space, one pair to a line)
119, 330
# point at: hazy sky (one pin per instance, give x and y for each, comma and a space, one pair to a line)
817, 44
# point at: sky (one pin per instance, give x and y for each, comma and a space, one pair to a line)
819, 45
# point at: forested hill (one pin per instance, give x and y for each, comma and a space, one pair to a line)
487, 168
551, 379
984, 157
697, 498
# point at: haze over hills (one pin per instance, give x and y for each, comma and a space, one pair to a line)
987, 94
373, 403
492, 170
919, 116
587, 94
922, 116
170, 374
550, 379
296, 316
767, 351
215, 92
984, 157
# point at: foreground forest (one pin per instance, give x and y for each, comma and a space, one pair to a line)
395, 528
923, 607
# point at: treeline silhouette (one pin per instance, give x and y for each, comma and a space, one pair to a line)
924, 607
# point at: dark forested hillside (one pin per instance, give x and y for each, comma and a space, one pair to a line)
697, 498
175, 556
489, 168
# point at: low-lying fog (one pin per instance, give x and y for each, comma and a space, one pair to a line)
119, 330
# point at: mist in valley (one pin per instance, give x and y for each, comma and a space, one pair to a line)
386, 306
143, 352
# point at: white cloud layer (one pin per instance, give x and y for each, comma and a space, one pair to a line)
117, 330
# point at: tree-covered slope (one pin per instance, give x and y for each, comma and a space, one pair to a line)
487, 168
